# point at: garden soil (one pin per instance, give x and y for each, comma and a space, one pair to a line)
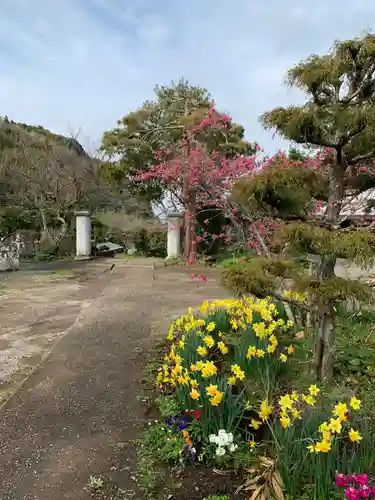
79, 412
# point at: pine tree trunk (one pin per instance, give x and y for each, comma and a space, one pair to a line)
325, 319
325, 324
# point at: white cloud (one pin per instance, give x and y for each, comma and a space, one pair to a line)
83, 64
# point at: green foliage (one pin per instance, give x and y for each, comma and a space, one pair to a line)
286, 192
41, 255
217, 497
259, 276
151, 242
210, 221
355, 351
355, 246
334, 289
14, 219
340, 85
156, 448
161, 124
167, 405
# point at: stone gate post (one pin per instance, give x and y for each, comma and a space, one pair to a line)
174, 235
83, 235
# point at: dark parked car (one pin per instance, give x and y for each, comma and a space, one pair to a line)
105, 249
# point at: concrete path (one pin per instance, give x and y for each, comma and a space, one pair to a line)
79, 414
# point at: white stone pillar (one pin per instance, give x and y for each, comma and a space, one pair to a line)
83, 235
174, 235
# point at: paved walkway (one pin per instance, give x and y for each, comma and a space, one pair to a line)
78, 414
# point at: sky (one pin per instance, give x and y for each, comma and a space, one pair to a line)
78, 66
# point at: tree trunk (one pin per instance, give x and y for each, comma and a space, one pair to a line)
325, 317
190, 246
193, 230
324, 342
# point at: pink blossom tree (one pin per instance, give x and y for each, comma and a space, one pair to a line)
198, 176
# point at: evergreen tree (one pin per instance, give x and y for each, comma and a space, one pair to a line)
305, 197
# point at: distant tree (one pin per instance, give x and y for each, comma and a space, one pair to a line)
162, 125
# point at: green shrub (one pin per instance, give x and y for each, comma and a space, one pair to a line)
151, 242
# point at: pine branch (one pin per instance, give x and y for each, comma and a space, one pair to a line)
362, 157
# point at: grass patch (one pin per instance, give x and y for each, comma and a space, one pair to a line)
103, 488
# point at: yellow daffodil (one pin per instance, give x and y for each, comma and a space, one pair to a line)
323, 427
251, 352
211, 390
314, 390
354, 436
286, 402
194, 394
310, 400
183, 380
290, 349
260, 353
252, 445
222, 347
265, 410
209, 341
311, 448
202, 350
294, 396
255, 424
341, 411
285, 421
273, 340
211, 326
323, 446
260, 330
209, 369
234, 324
355, 403
176, 370
335, 425
296, 414
283, 358
231, 380
237, 372
216, 400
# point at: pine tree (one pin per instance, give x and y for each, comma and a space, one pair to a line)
306, 197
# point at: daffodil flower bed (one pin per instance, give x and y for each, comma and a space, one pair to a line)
223, 367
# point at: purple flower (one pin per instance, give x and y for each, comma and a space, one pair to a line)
361, 479
352, 493
365, 491
341, 480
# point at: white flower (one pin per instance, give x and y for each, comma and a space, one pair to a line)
232, 447
220, 451
230, 437
223, 437
213, 439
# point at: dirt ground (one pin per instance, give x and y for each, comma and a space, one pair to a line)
85, 338
36, 309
